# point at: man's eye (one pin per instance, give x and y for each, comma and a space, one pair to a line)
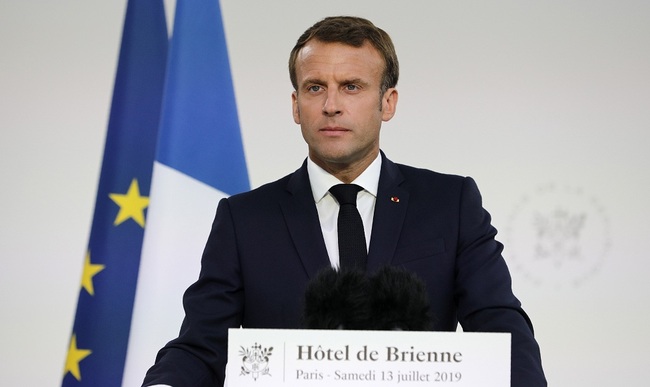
351, 87
314, 88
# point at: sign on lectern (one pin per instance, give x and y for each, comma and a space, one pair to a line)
288, 357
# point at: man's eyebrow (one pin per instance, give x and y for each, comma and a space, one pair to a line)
358, 81
351, 81
312, 81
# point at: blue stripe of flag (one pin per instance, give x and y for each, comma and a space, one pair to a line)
199, 132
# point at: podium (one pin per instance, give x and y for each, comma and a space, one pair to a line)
289, 357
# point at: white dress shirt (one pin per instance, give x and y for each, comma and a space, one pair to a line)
328, 208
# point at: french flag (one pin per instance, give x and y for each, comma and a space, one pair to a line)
199, 160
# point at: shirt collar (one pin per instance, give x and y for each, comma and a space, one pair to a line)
321, 181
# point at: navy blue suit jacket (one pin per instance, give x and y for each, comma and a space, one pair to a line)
266, 245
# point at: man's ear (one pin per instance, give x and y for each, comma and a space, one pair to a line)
389, 104
295, 108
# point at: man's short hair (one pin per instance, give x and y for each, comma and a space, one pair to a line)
353, 31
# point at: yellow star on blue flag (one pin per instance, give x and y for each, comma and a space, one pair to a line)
132, 205
90, 269
75, 355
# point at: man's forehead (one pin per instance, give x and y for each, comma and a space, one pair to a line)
316, 53
315, 44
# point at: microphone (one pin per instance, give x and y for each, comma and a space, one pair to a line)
398, 301
335, 300
390, 299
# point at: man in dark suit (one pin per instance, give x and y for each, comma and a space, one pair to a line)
266, 244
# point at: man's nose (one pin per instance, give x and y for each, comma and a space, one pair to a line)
332, 104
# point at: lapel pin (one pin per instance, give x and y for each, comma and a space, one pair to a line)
394, 199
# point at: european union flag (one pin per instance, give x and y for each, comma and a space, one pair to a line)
98, 345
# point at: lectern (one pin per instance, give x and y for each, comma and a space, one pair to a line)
289, 357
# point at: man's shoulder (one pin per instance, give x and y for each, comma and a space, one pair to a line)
418, 175
269, 191
409, 175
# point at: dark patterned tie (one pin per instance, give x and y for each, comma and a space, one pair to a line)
352, 241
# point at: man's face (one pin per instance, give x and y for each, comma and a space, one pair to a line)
338, 103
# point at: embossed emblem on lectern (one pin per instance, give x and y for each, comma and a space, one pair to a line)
255, 360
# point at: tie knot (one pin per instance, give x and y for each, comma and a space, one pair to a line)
345, 193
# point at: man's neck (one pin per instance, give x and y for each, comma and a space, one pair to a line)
347, 172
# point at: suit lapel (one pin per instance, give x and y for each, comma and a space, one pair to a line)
390, 211
302, 221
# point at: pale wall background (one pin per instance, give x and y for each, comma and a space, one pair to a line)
546, 104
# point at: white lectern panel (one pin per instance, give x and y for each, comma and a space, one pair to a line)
279, 357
